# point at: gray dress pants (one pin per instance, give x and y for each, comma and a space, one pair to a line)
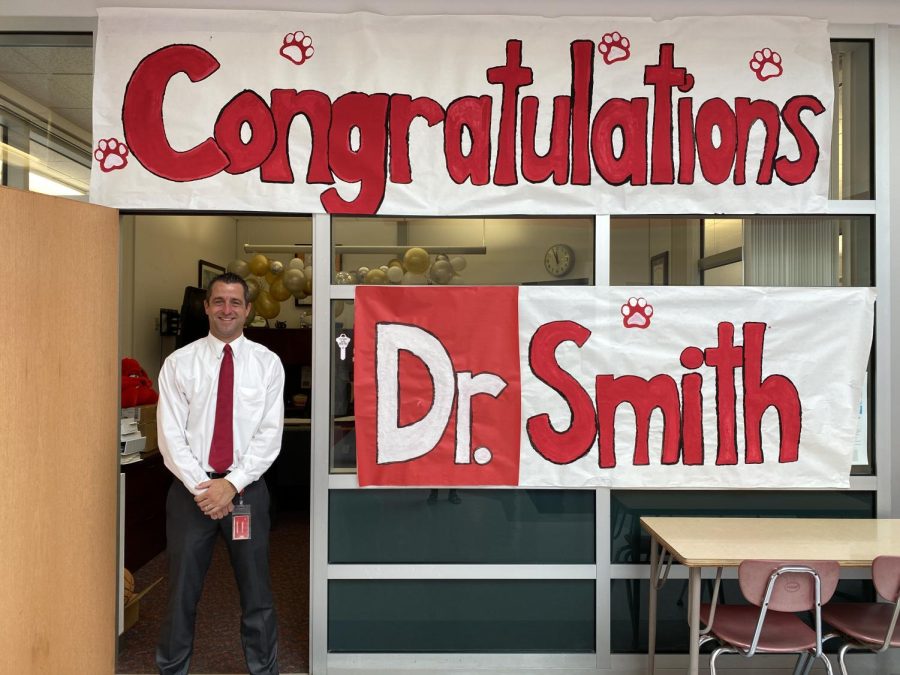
191, 537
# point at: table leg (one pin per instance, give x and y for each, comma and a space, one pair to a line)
694, 618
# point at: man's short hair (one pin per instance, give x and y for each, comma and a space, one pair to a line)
229, 278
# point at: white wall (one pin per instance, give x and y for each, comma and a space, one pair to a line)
166, 252
633, 241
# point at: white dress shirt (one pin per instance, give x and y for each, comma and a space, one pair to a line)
185, 416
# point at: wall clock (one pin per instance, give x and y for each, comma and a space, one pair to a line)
559, 260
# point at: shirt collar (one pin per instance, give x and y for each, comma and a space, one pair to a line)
217, 346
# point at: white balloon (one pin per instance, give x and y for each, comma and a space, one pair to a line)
296, 264
410, 279
458, 263
441, 272
395, 274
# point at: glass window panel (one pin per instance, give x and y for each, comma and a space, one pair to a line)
757, 251
631, 544
343, 434
731, 274
629, 605
851, 140
471, 251
487, 616
635, 241
462, 526
46, 146
721, 234
57, 169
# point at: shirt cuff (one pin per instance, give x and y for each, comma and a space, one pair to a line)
239, 479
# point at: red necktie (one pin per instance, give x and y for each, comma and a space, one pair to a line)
221, 451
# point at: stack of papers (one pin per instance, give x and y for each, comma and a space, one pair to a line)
131, 441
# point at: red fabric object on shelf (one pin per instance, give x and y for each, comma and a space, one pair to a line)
137, 388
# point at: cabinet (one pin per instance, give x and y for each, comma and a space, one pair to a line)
146, 486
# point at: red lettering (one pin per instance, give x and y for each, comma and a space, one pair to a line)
794, 172
404, 109
316, 108
631, 164
644, 396
142, 115
725, 358
776, 391
511, 77
692, 407
538, 168
749, 113
717, 135
686, 141
664, 77
247, 107
560, 447
716, 160
582, 55
367, 165
473, 115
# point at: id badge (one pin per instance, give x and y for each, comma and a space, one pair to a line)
240, 522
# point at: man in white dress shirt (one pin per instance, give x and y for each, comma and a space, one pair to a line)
192, 423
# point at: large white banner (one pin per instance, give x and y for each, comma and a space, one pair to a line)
623, 387
459, 115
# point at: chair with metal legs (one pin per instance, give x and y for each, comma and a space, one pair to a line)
777, 590
870, 625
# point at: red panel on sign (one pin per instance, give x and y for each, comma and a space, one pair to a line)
437, 386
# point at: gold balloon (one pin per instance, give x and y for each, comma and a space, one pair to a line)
271, 277
376, 277
266, 307
239, 267
293, 279
259, 264
278, 291
416, 260
307, 284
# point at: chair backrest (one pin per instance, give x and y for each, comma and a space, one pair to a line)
886, 576
792, 591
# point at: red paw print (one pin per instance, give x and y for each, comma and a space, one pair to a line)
614, 47
766, 63
111, 154
297, 47
636, 313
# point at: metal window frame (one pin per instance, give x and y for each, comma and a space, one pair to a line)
324, 292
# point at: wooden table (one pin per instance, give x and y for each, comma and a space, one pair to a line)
726, 542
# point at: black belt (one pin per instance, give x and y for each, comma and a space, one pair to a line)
216, 475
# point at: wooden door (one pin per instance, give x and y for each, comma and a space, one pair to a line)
59, 384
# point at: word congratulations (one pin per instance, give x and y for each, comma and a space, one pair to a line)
361, 138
